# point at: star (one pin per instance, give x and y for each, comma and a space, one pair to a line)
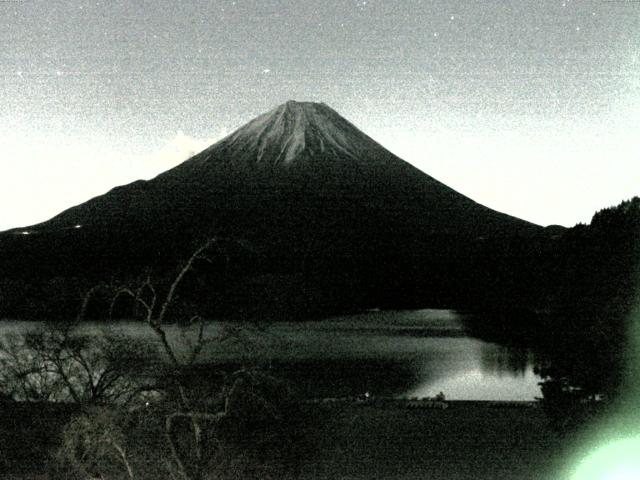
577, 29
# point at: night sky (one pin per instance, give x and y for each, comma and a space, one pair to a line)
529, 107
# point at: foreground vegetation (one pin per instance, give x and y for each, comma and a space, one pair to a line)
469, 440
120, 409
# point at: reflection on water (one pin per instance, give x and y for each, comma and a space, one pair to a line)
503, 360
488, 372
402, 353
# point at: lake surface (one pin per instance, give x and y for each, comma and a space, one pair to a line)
413, 353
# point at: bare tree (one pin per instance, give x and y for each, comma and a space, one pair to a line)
22, 375
153, 305
193, 448
60, 363
103, 374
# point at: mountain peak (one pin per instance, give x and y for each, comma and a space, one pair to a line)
294, 107
303, 110
285, 133
295, 104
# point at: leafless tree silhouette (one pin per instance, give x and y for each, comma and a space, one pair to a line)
191, 424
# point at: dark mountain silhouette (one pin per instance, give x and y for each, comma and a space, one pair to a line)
300, 157
312, 205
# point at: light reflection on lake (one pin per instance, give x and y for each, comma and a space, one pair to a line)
485, 372
403, 353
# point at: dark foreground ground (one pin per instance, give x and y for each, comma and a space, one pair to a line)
468, 440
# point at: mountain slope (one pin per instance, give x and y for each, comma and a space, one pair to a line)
306, 194
303, 150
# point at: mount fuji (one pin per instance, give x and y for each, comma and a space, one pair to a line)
308, 197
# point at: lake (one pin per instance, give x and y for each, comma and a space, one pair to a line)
409, 353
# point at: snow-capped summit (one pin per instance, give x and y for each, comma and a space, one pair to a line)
294, 129
298, 126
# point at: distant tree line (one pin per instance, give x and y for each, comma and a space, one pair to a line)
574, 299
